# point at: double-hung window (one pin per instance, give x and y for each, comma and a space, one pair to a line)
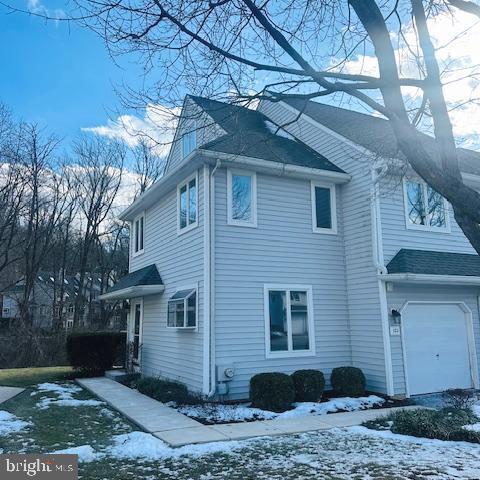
288, 321
182, 309
188, 204
189, 140
242, 198
138, 234
324, 212
424, 207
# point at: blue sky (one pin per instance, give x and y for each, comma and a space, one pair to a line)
58, 75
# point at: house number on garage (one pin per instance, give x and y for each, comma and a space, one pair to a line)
395, 330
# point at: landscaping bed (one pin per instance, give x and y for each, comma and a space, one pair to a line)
273, 396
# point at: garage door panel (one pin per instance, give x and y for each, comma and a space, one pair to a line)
436, 347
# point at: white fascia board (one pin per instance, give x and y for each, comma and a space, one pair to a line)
133, 292
277, 168
430, 279
162, 186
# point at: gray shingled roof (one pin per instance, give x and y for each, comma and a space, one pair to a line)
248, 134
145, 276
373, 133
434, 263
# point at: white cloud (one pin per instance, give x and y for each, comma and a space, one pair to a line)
37, 7
456, 39
157, 127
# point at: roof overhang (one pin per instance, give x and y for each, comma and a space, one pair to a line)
199, 157
277, 168
418, 278
133, 292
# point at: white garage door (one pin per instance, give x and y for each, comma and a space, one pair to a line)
436, 347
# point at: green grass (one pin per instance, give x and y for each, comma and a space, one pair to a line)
26, 377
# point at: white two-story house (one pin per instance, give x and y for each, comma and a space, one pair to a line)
289, 238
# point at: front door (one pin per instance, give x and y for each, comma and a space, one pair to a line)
136, 330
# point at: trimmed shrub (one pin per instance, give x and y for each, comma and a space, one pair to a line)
272, 391
94, 352
309, 385
163, 390
444, 424
348, 381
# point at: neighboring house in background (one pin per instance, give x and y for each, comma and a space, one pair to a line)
277, 249
46, 301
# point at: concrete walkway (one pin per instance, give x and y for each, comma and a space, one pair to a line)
177, 429
6, 393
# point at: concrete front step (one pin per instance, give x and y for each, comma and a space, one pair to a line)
177, 429
118, 375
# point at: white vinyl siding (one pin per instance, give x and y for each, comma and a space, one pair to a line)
364, 312
179, 260
281, 250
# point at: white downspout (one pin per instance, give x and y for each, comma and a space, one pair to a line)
379, 261
209, 386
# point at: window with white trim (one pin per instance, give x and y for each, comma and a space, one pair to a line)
242, 198
289, 321
188, 204
189, 140
182, 309
138, 234
424, 207
324, 210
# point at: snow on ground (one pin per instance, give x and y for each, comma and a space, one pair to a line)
10, 423
64, 396
143, 446
353, 452
85, 453
348, 404
218, 413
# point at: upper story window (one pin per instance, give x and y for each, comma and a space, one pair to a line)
242, 198
189, 140
324, 211
182, 309
424, 207
188, 204
289, 321
138, 235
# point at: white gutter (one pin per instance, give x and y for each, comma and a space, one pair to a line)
427, 278
132, 292
278, 168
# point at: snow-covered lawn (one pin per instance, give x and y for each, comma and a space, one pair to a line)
218, 413
63, 396
110, 447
